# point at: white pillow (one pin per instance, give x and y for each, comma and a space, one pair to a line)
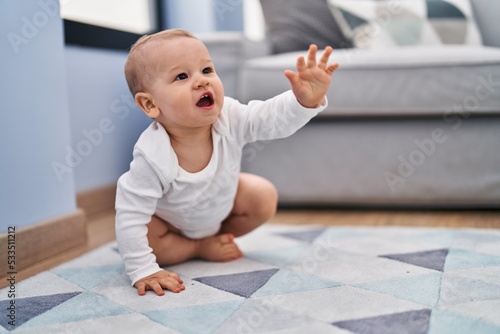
386, 23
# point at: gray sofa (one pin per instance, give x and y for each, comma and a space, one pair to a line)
415, 126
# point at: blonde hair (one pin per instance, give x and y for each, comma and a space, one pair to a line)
137, 70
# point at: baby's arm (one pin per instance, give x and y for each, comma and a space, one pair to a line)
137, 193
310, 83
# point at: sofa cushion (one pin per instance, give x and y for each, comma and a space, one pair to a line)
383, 23
294, 24
402, 81
486, 12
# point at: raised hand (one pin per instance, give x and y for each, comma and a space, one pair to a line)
158, 281
311, 82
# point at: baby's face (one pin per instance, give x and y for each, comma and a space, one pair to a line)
186, 88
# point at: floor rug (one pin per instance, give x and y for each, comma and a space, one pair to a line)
306, 279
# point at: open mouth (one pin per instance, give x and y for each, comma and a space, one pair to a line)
206, 100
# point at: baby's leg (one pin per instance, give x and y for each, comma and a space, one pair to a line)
170, 247
255, 203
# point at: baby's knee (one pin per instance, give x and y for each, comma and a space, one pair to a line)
157, 229
257, 197
268, 200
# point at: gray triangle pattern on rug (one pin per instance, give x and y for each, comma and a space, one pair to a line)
241, 284
414, 322
307, 236
28, 308
434, 259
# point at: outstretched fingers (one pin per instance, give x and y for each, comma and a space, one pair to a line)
311, 82
292, 77
301, 64
331, 68
323, 62
311, 56
311, 60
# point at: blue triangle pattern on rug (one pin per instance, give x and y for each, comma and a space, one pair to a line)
414, 322
460, 259
470, 290
241, 284
434, 259
260, 316
196, 319
421, 289
445, 322
287, 281
89, 279
29, 308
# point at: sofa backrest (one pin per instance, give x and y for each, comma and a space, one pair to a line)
487, 14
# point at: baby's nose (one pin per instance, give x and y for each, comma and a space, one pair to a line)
201, 82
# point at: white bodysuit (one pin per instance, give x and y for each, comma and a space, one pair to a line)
195, 203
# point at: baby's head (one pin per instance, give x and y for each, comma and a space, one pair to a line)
173, 79
139, 70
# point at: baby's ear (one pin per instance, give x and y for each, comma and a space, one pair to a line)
145, 102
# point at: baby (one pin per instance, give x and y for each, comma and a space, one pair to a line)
184, 196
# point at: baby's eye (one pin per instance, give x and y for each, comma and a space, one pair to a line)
181, 76
207, 70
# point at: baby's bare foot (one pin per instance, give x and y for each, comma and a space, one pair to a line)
219, 248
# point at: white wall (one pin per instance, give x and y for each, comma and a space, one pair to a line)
194, 15
201, 16
34, 118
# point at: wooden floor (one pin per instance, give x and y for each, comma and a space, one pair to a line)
100, 226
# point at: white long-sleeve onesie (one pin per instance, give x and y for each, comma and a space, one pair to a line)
195, 203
